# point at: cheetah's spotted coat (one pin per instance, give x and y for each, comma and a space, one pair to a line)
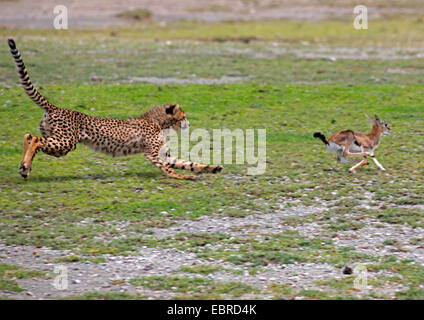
62, 129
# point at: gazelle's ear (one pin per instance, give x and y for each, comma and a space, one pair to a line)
369, 119
377, 120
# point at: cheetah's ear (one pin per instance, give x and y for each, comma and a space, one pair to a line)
172, 108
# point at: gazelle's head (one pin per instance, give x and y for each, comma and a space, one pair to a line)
383, 126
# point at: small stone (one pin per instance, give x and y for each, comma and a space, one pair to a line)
347, 270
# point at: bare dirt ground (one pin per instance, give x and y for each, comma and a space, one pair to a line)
102, 13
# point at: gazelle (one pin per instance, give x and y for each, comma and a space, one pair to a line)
347, 143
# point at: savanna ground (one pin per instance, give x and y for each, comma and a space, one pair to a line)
125, 231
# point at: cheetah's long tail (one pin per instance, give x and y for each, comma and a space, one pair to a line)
25, 80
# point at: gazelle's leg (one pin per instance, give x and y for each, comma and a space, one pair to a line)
347, 153
358, 165
341, 159
356, 154
378, 164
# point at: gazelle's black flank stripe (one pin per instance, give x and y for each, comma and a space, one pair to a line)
25, 80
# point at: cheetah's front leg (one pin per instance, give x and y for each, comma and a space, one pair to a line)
192, 166
166, 168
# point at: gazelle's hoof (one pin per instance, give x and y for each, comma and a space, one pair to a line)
352, 171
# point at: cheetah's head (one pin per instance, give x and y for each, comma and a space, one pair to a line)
170, 116
175, 117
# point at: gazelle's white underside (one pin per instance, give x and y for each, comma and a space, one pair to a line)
353, 148
335, 148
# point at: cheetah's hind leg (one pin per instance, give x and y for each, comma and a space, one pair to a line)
31, 147
51, 146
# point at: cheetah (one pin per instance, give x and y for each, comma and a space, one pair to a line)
63, 129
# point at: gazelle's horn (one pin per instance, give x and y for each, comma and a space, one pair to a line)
369, 119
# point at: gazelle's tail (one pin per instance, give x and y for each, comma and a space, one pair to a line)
25, 80
319, 135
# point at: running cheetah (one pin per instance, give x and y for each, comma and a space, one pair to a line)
62, 129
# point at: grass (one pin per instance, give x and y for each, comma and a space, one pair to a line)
9, 274
136, 14
95, 205
121, 60
392, 31
62, 192
201, 269
79, 259
106, 296
197, 288
412, 217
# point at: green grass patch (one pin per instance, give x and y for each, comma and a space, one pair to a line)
194, 286
9, 274
72, 258
388, 31
409, 216
201, 269
136, 14
106, 296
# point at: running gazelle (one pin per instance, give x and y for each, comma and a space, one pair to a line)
347, 143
